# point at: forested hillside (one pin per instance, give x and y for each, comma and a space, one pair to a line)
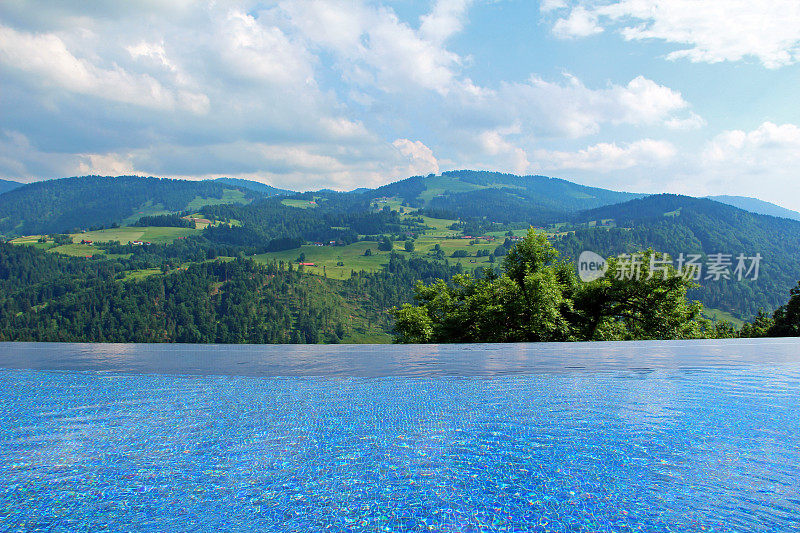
360, 251
261, 188
680, 224
502, 197
754, 205
6, 185
70, 204
49, 297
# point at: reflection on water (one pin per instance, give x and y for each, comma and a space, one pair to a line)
676, 436
398, 360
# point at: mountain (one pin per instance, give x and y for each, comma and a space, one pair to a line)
262, 188
754, 205
682, 224
501, 197
67, 204
6, 185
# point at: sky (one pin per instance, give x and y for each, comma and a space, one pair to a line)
694, 97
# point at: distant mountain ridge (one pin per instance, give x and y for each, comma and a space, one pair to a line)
257, 186
683, 224
754, 205
8, 185
68, 204
500, 196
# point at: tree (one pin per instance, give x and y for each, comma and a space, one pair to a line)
413, 324
385, 245
409, 246
539, 298
761, 326
368, 252
787, 317
648, 307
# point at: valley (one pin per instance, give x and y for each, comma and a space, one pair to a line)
366, 248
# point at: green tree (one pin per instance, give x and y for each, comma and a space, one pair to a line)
760, 326
650, 305
385, 244
539, 298
409, 246
787, 317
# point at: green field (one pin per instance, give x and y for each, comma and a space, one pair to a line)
147, 209
393, 203
440, 227
325, 258
722, 316
439, 184
33, 240
139, 275
124, 234
301, 204
77, 250
229, 196
501, 235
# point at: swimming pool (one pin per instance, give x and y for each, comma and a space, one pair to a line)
604, 437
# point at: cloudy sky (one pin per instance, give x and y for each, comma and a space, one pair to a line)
689, 96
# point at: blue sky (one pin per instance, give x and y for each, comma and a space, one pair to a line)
689, 96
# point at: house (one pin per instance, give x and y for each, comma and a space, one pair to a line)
307, 264
84, 241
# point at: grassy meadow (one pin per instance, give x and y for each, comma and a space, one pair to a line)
326, 258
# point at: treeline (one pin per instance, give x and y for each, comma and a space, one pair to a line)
701, 227
70, 204
175, 220
538, 298
47, 297
261, 223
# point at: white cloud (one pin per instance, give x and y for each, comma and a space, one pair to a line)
420, 157
251, 50
770, 145
46, 57
711, 30
299, 93
551, 5
692, 122
104, 165
572, 109
607, 157
20, 159
446, 19
579, 23
374, 47
495, 143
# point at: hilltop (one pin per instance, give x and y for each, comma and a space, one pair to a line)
69, 204
754, 205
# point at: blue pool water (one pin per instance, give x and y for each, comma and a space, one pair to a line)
687, 436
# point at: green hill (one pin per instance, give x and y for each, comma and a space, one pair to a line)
754, 205
498, 196
682, 224
6, 185
262, 188
65, 205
